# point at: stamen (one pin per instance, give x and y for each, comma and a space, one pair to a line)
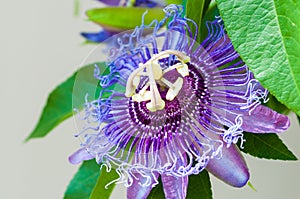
146, 96
143, 90
133, 80
155, 73
156, 102
181, 68
173, 88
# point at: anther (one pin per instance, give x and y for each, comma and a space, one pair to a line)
173, 88
155, 73
134, 80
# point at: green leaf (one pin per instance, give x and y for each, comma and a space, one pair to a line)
84, 181
194, 11
210, 15
199, 186
157, 192
206, 6
105, 178
184, 2
59, 103
268, 146
87, 84
274, 104
267, 36
174, 2
123, 18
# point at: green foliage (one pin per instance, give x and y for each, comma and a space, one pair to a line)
266, 35
90, 182
274, 104
210, 15
184, 2
173, 1
84, 180
87, 84
199, 188
57, 109
157, 192
59, 103
194, 11
268, 146
123, 18
100, 190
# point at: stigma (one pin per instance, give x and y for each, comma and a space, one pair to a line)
153, 70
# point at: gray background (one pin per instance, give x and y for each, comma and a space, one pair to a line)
39, 48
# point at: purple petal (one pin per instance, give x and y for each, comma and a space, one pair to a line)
79, 156
97, 37
148, 3
265, 120
137, 3
174, 187
111, 2
230, 168
137, 190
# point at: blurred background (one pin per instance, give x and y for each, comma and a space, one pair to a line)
40, 47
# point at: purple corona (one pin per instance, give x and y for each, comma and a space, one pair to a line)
171, 107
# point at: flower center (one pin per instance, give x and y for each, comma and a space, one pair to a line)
155, 74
